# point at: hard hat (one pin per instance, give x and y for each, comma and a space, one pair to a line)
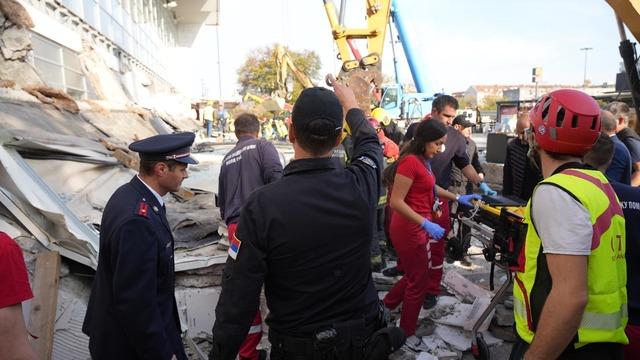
566, 121
381, 115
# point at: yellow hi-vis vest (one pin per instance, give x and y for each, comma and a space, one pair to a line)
605, 316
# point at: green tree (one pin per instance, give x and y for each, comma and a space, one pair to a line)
489, 102
258, 73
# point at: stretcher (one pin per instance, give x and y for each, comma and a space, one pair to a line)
498, 223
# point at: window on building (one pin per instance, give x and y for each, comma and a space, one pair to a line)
59, 67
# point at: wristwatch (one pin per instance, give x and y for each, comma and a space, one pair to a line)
457, 197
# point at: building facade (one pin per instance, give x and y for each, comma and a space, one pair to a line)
78, 44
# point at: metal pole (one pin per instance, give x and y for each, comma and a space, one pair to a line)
343, 10
628, 54
393, 51
219, 70
584, 80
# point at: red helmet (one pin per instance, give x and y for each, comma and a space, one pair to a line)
566, 121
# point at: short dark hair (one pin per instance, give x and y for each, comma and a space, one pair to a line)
441, 101
246, 123
146, 166
601, 153
619, 109
318, 144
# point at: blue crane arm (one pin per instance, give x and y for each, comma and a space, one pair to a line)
418, 71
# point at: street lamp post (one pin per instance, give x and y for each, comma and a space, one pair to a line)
584, 79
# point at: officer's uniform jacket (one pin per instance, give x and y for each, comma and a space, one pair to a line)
132, 312
306, 237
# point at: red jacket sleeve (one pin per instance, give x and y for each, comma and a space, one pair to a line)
14, 279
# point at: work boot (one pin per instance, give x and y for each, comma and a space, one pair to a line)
392, 272
429, 301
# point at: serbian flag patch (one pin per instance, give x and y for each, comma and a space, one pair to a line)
234, 247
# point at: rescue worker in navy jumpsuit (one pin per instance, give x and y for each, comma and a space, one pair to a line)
132, 312
306, 237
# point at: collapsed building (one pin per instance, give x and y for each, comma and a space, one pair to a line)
66, 119
67, 115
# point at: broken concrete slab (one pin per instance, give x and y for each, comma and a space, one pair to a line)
122, 125
435, 344
56, 97
460, 339
464, 289
69, 341
100, 76
426, 356
15, 44
33, 116
477, 308
197, 309
454, 313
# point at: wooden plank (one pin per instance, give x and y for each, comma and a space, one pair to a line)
45, 302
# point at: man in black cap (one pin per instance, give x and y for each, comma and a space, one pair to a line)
132, 312
459, 183
306, 237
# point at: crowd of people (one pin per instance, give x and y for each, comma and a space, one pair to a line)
310, 233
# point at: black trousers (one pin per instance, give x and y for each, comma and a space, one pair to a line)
595, 351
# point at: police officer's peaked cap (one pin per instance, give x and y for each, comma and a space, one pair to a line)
318, 103
166, 147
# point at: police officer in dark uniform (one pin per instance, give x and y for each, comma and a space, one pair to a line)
132, 312
306, 237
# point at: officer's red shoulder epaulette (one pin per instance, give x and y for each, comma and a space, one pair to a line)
142, 209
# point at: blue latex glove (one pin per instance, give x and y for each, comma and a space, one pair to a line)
466, 199
434, 230
486, 190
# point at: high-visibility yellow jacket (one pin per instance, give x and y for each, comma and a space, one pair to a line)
605, 315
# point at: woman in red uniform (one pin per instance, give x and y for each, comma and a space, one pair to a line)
414, 200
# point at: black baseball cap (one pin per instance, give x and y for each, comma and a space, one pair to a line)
318, 103
462, 121
166, 147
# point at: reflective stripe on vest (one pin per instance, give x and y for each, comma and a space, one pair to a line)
603, 221
605, 315
596, 321
590, 320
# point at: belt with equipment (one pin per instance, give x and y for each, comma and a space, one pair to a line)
348, 340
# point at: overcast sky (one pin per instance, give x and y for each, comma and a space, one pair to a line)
460, 42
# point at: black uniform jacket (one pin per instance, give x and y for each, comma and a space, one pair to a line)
306, 237
132, 311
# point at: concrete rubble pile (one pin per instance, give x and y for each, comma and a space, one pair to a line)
445, 330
